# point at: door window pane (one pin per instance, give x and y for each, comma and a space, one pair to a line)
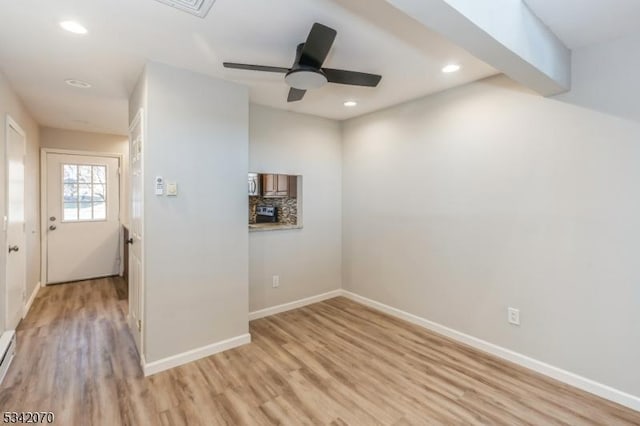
70, 192
84, 174
99, 174
70, 173
84, 192
85, 211
99, 192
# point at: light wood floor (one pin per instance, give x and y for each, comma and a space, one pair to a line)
334, 362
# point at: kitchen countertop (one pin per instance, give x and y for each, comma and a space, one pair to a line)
259, 227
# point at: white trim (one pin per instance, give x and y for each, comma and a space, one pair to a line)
293, 305
588, 385
12, 124
79, 152
8, 346
77, 280
139, 118
43, 217
143, 362
27, 305
193, 355
44, 225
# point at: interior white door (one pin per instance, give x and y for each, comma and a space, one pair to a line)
15, 225
83, 224
136, 229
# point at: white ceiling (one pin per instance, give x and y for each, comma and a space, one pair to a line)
37, 56
580, 23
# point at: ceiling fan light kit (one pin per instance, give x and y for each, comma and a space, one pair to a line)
307, 72
306, 79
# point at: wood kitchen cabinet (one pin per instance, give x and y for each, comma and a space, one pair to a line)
278, 185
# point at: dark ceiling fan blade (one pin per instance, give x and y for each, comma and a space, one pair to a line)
255, 67
351, 77
295, 95
317, 46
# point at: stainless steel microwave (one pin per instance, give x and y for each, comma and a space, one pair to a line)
254, 184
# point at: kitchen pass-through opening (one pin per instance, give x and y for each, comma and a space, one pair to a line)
275, 201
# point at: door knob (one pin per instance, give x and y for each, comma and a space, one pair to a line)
130, 241
52, 228
13, 248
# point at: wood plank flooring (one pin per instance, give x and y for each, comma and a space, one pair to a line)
332, 363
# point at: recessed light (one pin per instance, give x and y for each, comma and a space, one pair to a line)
73, 27
451, 68
78, 83
350, 104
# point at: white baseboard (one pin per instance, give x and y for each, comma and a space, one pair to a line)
293, 305
559, 374
7, 351
193, 355
27, 306
556, 373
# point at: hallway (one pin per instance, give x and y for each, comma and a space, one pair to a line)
75, 356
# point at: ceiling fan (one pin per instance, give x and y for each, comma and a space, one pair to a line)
307, 72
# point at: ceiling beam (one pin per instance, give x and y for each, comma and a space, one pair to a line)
503, 33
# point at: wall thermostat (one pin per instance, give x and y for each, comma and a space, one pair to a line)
159, 185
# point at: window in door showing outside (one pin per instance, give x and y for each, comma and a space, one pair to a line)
85, 192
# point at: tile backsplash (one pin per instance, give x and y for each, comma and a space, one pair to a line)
287, 209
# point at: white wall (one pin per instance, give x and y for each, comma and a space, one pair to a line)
461, 204
307, 260
97, 142
83, 141
10, 104
196, 244
605, 77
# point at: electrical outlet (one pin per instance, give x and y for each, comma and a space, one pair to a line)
276, 281
513, 316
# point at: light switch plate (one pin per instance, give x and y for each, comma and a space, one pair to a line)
172, 189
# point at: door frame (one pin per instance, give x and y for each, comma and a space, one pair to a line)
44, 152
10, 123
